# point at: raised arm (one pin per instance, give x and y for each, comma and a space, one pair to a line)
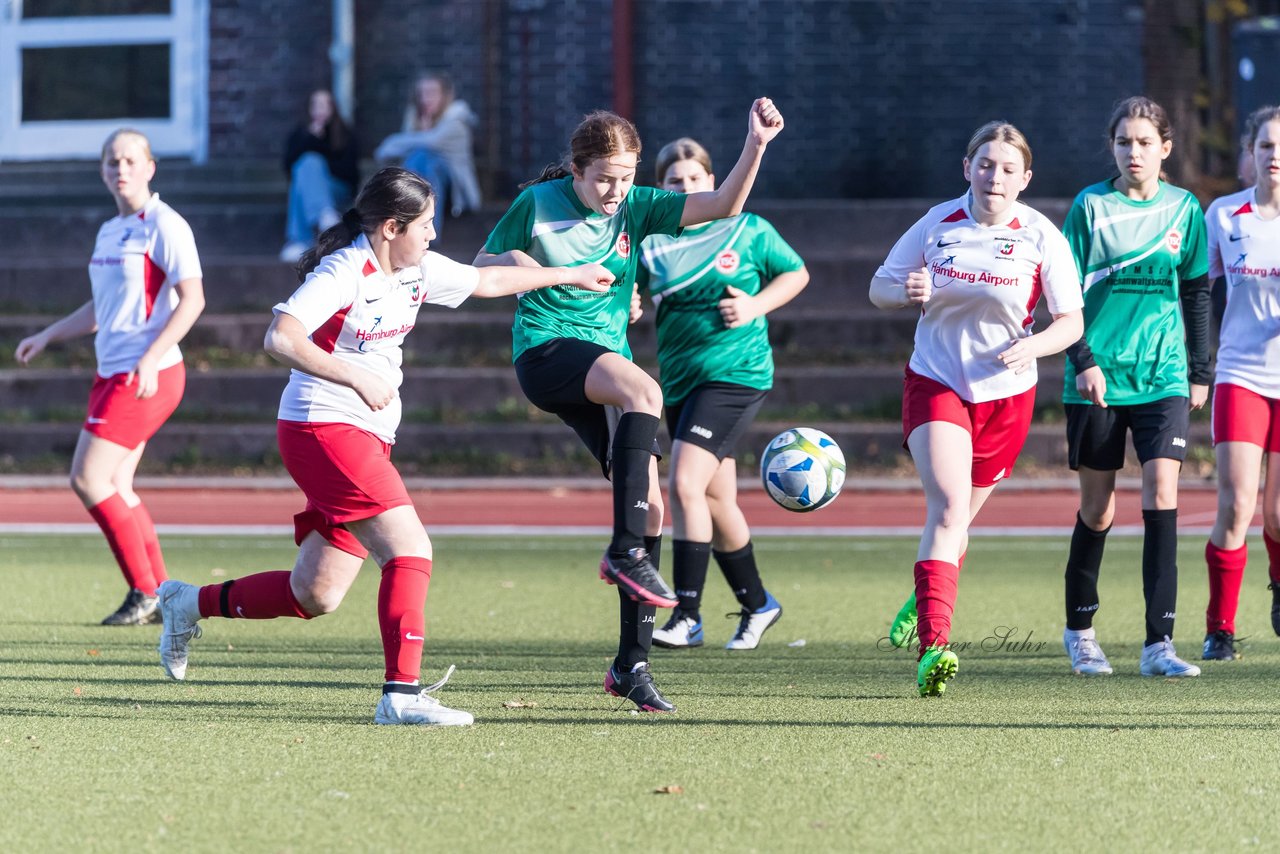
763, 124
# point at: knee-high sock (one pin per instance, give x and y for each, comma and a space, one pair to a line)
636, 621
689, 572
261, 596
115, 518
632, 450
740, 570
1273, 557
1084, 561
936, 583
147, 530
1160, 572
402, 599
1226, 571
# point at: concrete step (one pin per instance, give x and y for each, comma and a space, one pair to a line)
454, 394
461, 337
488, 449
257, 281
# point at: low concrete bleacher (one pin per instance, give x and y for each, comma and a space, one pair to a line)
839, 359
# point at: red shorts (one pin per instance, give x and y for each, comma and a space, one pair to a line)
346, 475
1241, 415
117, 415
998, 427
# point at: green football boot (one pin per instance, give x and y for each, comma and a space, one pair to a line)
937, 665
903, 627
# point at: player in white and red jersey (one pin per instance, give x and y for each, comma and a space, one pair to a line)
341, 333
1244, 251
148, 290
976, 267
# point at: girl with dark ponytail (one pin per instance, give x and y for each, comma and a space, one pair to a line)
341, 333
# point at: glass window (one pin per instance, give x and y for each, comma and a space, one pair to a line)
88, 8
98, 82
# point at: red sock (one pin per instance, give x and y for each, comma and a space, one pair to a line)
262, 596
936, 582
1273, 557
1226, 571
147, 530
115, 518
402, 597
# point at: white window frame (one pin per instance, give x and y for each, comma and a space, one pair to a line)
184, 134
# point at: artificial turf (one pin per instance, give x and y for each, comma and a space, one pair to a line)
816, 741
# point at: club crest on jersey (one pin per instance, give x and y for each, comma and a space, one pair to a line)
623, 246
1004, 247
727, 262
415, 292
1173, 239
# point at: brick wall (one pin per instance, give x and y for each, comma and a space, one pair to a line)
880, 95
264, 57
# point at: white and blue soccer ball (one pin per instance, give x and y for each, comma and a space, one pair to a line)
802, 469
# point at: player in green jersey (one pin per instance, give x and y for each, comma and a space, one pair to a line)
713, 287
570, 345
1140, 368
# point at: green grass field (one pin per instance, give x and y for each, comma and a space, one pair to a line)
269, 745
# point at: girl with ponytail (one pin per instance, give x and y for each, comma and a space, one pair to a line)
341, 333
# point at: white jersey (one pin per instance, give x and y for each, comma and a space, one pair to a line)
137, 260
350, 308
986, 283
1245, 249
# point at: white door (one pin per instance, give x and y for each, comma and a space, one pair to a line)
71, 71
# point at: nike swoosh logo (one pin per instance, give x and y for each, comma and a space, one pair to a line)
942, 243
372, 299
1233, 237
412, 636
96, 420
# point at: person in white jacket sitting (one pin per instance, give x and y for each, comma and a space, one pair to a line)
435, 142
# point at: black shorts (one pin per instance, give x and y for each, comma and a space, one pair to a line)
714, 416
1095, 435
553, 376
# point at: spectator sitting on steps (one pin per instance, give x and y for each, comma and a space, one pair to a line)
320, 158
435, 142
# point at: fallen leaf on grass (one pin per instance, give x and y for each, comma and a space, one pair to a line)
669, 790
92, 652
878, 757
77, 691
519, 704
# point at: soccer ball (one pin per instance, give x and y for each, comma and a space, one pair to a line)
802, 469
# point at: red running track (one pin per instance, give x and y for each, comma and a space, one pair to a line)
573, 507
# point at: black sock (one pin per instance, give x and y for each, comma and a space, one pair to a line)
629, 469
1160, 572
653, 545
1083, 562
740, 571
690, 573
636, 621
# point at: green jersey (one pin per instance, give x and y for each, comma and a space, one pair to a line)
556, 229
1133, 255
687, 276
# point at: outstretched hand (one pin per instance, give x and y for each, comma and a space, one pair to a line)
591, 277
765, 121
